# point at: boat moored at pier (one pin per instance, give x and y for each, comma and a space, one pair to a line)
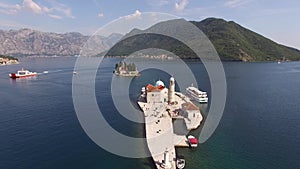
196, 94
180, 162
192, 141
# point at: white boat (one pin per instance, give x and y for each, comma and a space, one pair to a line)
180, 163
196, 94
192, 141
22, 73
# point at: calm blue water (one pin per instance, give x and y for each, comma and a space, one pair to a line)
39, 129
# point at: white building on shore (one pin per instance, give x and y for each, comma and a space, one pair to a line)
159, 93
191, 110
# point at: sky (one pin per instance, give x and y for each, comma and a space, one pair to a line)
275, 19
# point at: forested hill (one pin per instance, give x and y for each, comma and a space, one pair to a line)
232, 42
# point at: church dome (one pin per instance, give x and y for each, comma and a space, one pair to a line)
160, 83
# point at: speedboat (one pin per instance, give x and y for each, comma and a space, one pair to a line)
180, 162
192, 141
22, 73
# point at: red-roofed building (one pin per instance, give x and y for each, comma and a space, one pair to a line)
189, 106
156, 94
191, 110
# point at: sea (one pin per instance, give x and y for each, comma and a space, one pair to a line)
39, 128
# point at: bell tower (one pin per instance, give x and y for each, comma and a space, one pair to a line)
171, 92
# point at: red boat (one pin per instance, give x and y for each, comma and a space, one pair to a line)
22, 73
192, 141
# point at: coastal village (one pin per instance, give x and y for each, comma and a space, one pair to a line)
5, 60
160, 106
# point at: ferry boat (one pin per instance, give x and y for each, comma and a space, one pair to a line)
196, 94
180, 162
192, 141
22, 73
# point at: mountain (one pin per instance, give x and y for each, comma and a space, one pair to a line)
235, 42
232, 42
27, 42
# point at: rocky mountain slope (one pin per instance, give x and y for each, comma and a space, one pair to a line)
27, 42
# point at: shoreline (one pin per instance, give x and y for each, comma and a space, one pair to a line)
9, 64
157, 58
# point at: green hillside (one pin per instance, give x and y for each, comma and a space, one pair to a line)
232, 42
235, 42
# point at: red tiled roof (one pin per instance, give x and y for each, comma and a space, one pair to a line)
151, 88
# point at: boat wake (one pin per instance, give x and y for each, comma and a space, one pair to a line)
52, 71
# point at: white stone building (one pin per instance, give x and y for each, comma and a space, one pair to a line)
191, 110
157, 93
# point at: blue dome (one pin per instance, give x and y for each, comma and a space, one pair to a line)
159, 83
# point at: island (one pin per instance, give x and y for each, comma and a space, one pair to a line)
124, 69
8, 60
161, 106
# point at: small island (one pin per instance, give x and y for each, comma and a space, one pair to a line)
162, 105
124, 69
8, 60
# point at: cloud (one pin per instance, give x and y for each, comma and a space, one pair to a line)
181, 5
158, 3
46, 9
135, 15
62, 8
32, 6
55, 10
9, 9
235, 3
55, 16
66, 11
100, 15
